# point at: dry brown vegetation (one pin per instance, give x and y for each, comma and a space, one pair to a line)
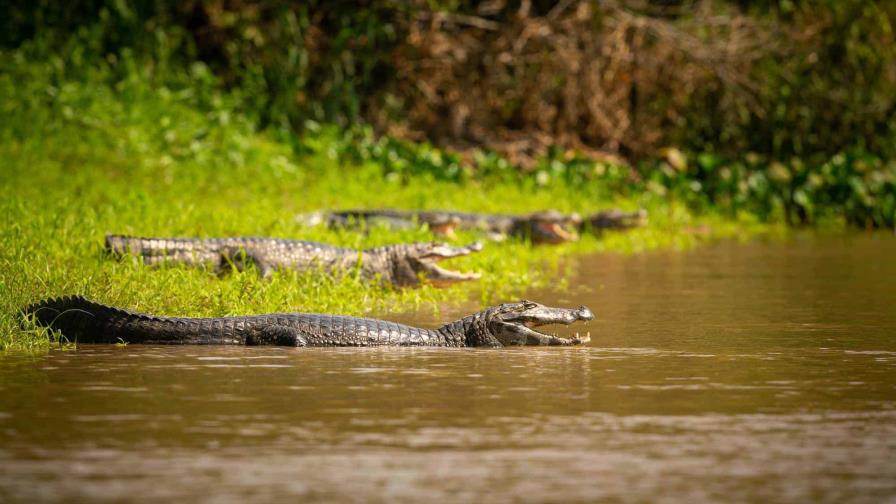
591, 76
781, 78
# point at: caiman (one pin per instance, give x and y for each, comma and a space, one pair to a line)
400, 265
83, 321
440, 223
614, 219
548, 226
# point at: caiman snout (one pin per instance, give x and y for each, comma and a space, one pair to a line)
534, 314
442, 277
441, 251
583, 313
561, 316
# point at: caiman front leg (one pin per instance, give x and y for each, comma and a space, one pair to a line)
240, 258
276, 335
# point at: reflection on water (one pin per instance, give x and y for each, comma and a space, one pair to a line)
762, 371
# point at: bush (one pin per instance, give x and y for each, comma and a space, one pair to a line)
532, 91
795, 77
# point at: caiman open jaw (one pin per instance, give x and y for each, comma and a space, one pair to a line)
552, 226
515, 323
440, 277
552, 232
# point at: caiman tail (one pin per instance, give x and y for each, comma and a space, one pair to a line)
174, 250
82, 320
122, 244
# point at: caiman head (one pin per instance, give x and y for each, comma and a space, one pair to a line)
549, 226
616, 219
441, 224
515, 324
414, 264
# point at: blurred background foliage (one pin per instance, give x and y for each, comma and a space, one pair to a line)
783, 108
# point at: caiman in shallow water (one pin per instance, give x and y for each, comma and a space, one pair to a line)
84, 321
400, 265
548, 226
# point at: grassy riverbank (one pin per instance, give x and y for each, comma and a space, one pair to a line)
80, 159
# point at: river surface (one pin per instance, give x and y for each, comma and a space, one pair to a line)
735, 372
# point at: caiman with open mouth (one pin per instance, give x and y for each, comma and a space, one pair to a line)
403, 265
84, 321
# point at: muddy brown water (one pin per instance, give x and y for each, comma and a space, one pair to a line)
736, 372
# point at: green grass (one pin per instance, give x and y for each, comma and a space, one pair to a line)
79, 159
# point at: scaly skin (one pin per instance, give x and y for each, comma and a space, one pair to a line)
399, 265
84, 321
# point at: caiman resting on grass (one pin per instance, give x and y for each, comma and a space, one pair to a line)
400, 265
440, 223
614, 219
549, 226
83, 321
